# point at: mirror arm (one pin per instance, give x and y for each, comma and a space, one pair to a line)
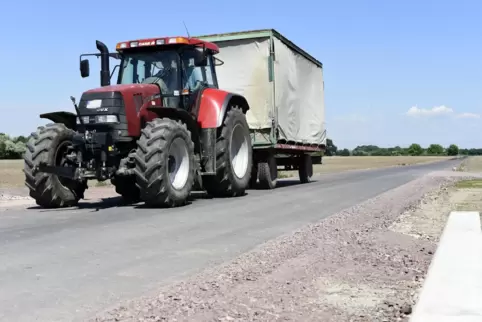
218, 60
113, 70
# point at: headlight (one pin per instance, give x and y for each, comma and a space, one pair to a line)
99, 119
85, 120
106, 119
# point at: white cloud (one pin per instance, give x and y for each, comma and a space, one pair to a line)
436, 110
468, 116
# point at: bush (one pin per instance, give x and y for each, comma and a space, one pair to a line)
12, 148
453, 150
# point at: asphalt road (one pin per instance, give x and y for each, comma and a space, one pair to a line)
63, 265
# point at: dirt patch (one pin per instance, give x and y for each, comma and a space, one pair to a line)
468, 196
363, 264
11, 175
471, 164
19, 198
427, 219
12, 178
13, 191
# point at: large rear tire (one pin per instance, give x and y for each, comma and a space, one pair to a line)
49, 144
234, 157
165, 166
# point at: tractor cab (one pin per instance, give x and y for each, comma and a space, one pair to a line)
179, 66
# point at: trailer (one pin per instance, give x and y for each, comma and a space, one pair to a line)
284, 87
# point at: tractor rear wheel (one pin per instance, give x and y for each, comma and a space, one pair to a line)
165, 166
234, 157
50, 144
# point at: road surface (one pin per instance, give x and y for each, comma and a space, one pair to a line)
64, 265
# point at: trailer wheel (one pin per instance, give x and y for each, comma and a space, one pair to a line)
305, 170
50, 144
268, 173
254, 176
165, 167
234, 157
126, 187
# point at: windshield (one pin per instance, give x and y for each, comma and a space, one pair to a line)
161, 67
157, 67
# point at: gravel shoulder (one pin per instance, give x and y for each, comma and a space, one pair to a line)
365, 263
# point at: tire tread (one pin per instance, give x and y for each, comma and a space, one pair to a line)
151, 178
46, 191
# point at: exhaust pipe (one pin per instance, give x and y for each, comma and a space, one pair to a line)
104, 63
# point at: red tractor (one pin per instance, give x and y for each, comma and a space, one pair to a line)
162, 129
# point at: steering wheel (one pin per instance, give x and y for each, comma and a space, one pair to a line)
157, 80
197, 85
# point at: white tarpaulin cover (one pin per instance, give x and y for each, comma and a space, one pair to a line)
298, 87
245, 72
299, 96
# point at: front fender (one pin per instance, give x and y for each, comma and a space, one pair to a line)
182, 115
214, 104
67, 118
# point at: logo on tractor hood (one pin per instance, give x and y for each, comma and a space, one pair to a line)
94, 104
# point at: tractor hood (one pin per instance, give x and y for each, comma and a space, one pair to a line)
116, 99
124, 88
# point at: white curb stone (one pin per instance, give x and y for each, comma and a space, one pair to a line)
453, 288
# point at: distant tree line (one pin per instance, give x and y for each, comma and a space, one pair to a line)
12, 147
414, 149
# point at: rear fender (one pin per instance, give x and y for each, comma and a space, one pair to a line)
214, 104
179, 115
67, 118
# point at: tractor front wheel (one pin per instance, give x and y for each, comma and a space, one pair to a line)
165, 167
234, 157
50, 144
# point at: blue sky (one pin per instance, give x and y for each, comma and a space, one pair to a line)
381, 59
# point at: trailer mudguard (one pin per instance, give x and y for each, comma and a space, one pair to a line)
213, 105
67, 118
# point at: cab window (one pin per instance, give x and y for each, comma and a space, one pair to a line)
195, 76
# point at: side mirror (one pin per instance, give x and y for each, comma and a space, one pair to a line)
201, 58
201, 61
84, 68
